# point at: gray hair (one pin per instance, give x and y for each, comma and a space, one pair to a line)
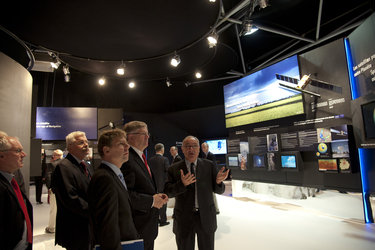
4, 141
159, 147
58, 152
133, 126
190, 137
71, 138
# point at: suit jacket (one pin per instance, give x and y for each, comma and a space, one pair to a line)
70, 184
12, 219
176, 159
141, 188
110, 209
210, 156
206, 184
159, 165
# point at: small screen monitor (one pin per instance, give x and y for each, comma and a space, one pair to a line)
218, 146
288, 162
259, 161
232, 160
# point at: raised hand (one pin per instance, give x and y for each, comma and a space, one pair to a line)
188, 178
222, 175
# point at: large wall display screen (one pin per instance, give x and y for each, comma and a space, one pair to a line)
56, 123
362, 62
259, 97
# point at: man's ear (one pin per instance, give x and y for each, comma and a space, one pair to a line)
106, 149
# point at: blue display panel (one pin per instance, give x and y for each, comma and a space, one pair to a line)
217, 146
53, 124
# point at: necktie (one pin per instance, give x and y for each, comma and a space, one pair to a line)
144, 159
24, 210
85, 169
192, 168
121, 177
194, 185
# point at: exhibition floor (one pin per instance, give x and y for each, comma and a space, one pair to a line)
257, 222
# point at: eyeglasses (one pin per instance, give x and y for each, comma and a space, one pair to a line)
191, 146
145, 134
18, 150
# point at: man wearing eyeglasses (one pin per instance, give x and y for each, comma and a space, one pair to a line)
16, 215
192, 182
70, 182
144, 195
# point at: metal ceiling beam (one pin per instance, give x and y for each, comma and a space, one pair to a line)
329, 36
240, 49
215, 79
233, 11
283, 33
319, 19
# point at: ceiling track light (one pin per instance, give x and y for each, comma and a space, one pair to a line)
248, 27
66, 70
168, 82
55, 64
198, 75
101, 81
187, 84
212, 39
121, 70
176, 60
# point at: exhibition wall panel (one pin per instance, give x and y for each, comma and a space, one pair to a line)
15, 105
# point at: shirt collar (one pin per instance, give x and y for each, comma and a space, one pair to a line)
115, 169
7, 176
139, 152
188, 163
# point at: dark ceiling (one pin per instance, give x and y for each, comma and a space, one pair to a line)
95, 37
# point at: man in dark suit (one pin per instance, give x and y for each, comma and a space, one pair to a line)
159, 165
145, 198
192, 182
16, 213
174, 152
70, 182
206, 154
109, 201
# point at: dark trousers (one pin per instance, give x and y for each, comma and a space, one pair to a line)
163, 214
38, 188
206, 241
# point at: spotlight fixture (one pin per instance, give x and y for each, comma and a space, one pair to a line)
121, 69
212, 1
66, 73
67, 78
66, 70
56, 63
102, 81
198, 74
212, 39
131, 85
263, 3
168, 82
248, 27
187, 84
175, 61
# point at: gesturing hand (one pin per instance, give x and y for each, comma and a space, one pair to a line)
221, 175
188, 178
